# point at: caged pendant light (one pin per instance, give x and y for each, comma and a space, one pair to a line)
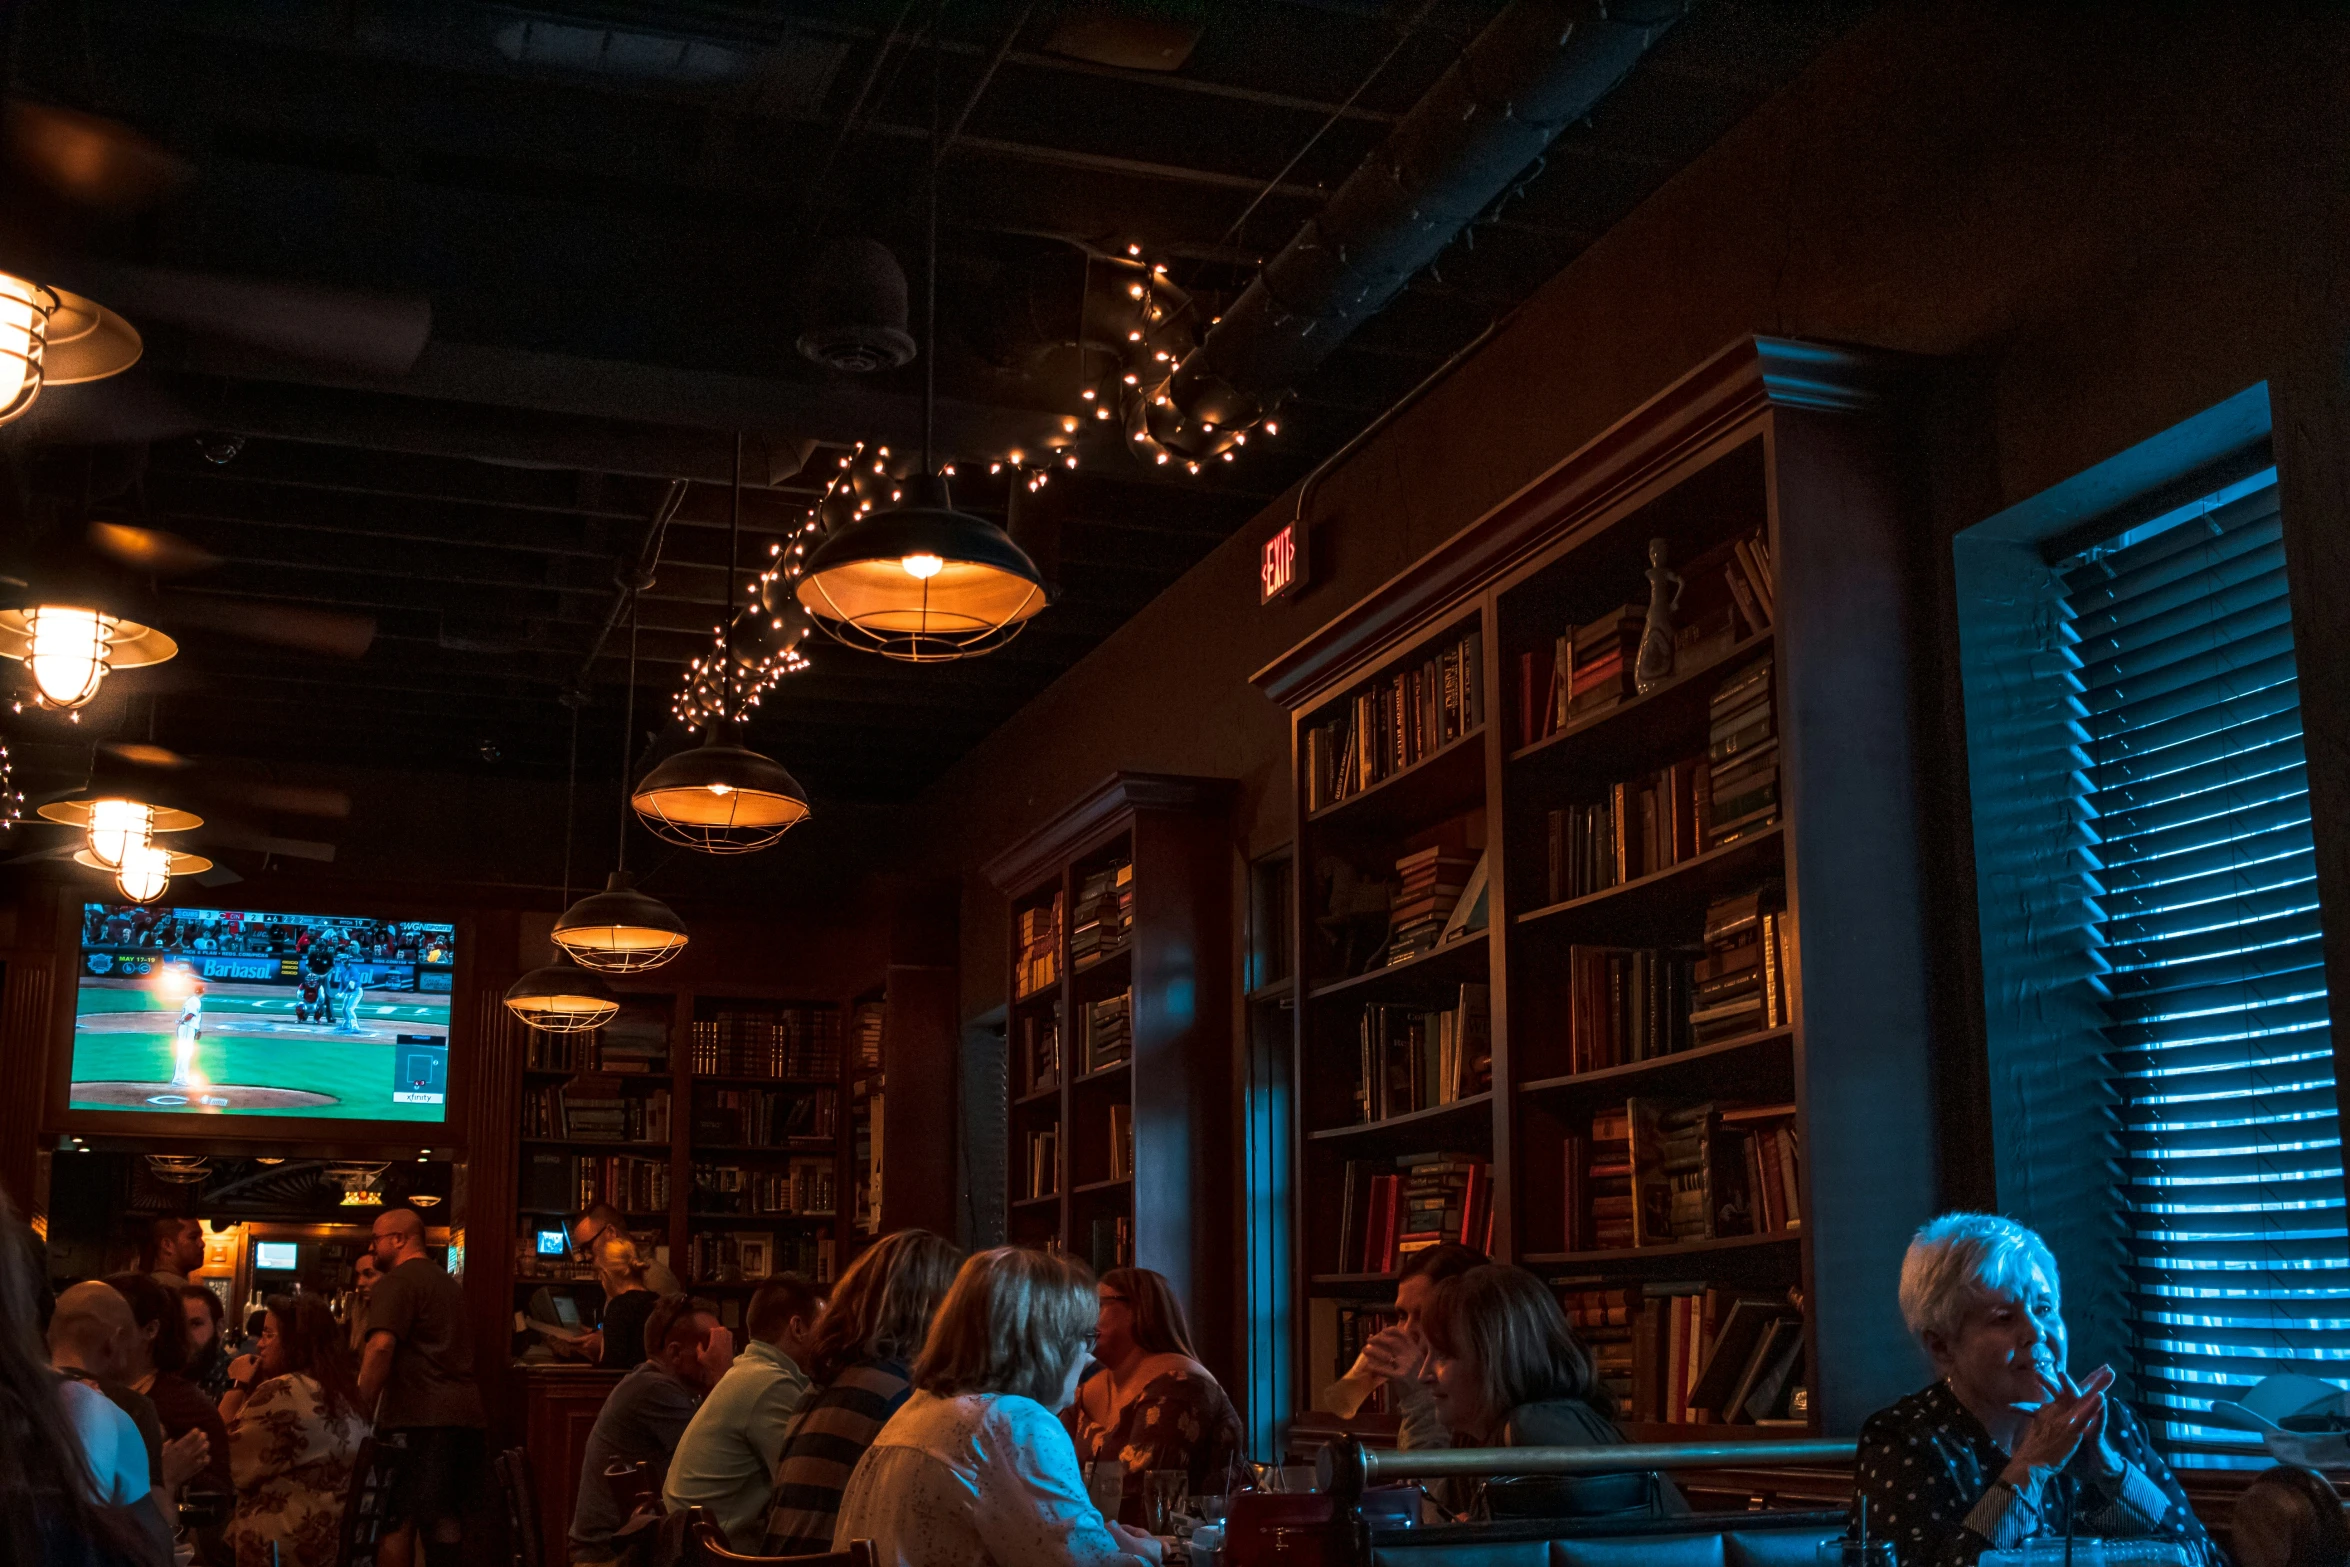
714, 797
620, 930
923, 583
563, 998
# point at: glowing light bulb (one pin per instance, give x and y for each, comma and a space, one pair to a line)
922, 566
68, 654
24, 335
1101, 413
1087, 394
1134, 290
1272, 427
117, 827
145, 873
722, 788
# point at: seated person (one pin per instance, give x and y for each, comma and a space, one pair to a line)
860, 1364
2290, 1517
726, 1459
294, 1433
1149, 1403
1505, 1370
642, 1419
1973, 1462
974, 1468
1394, 1355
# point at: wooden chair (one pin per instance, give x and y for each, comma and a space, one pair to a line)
522, 1506
367, 1500
705, 1546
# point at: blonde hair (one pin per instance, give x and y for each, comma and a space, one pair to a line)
1955, 1260
1014, 1321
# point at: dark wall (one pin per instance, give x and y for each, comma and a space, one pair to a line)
2095, 220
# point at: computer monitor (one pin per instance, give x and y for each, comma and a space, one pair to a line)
275, 1256
554, 1243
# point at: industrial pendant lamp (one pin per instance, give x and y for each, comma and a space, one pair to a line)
718, 798
116, 823
145, 871
620, 930
49, 337
923, 583
563, 998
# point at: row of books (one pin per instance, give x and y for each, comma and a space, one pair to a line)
1742, 757
1104, 913
784, 1042
1416, 1058
1396, 722
1040, 1052
1109, 1243
1658, 1174
1044, 1163
1037, 937
1391, 1208
1106, 1028
595, 1050
1626, 1004
1753, 580
865, 1034
1121, 1142
554, 1182
1691, 1353
735, 1257
865, 1148
1442, 897
592, 1107
1740, 986
763, 1117
809, 1188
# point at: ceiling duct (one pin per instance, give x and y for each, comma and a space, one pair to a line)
1540, 66
857, 309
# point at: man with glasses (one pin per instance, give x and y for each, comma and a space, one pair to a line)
419, 1363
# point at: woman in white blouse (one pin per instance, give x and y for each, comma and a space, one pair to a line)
975, 1468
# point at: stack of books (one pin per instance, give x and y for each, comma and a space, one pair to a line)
1397, 722
1044, 1162
1742, 757
785, 1042
1690, 1353
1740, 985
866, 1031
1108, 1028
1434, 883
1753, 585
1638, 828
1105, 908
1390, 1208
1602, 1318
807, 1188
1598, 1185
1040, 1052
1626, 1004
1590, 671
1040, 947
1413, 1058
762, 1117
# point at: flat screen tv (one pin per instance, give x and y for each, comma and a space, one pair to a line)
239, 1012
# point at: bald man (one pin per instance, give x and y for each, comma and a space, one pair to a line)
89, 1340
419, 1363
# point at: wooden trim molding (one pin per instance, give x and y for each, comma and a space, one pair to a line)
1711, 402
1028, 861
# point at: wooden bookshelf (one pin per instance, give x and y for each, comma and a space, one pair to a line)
1786, 443
1165, 1205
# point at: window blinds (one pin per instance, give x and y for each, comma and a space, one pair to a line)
2195, 811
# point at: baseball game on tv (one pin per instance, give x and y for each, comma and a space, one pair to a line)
239, 1012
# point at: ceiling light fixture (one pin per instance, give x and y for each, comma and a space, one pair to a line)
620, 930
49, 337
115, 824
563, 998
146, 871
922, 582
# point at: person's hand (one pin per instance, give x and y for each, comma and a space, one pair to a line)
2105, 1460
1395, 1354
185, 1457
2074, 1412
717, 1353
1137, 1542
245, 1368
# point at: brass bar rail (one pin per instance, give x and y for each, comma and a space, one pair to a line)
1363, 1466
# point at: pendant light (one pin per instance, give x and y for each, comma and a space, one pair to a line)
115, 822
923, 583
718, 798
145, 871
620, 930
49, 337
563, 998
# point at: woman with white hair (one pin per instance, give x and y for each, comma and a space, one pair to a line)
2005, 1445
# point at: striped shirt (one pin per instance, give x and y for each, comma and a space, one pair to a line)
824, 1442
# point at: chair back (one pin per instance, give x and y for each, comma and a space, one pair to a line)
367, 1500
522, 1506
1634, 1495
705, 1546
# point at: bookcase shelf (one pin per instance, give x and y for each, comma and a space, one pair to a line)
1772, 477
1133, 881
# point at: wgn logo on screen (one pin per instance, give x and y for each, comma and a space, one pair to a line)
420, 1070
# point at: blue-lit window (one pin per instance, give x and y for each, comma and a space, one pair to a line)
2190, 816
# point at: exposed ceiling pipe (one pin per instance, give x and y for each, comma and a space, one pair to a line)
1539, 67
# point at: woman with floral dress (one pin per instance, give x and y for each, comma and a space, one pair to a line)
1150, 1404
294, 1432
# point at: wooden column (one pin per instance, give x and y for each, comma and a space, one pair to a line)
919, 1049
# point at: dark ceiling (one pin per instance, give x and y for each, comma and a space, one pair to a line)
612, 211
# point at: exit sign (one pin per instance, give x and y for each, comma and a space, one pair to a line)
1281, 565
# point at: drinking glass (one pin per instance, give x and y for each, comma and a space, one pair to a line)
1170, 1491
1106, 1485
1852, 1553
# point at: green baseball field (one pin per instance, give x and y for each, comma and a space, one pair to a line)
255, 1057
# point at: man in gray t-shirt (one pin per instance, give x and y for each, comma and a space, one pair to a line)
686, 1352
419, 1364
